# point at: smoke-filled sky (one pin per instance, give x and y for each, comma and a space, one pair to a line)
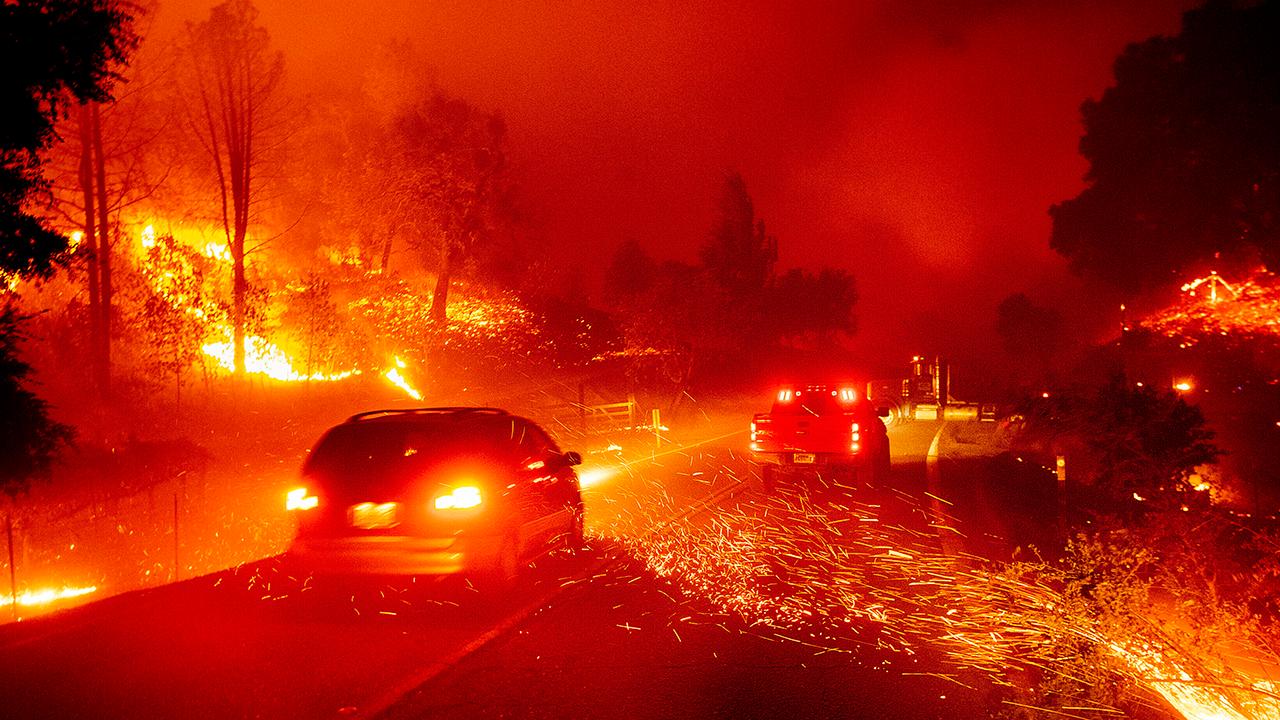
916, 143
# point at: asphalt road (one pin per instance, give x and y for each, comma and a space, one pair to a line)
613, 633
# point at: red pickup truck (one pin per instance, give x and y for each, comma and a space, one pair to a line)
827, 428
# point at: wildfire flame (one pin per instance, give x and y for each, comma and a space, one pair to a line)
1251, 309
394, 375
32, 598
262, 357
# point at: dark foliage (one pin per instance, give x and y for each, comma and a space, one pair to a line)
54, 52
28, 438
630, 274
1123, 439
1027, 328
739, 254
813, 306
1184, 156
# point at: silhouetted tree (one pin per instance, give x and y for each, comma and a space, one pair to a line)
315, 322
454, 181
739, 255
630, 274
814, 308
236, 116
1184, 158
53, 52
1032, 334
106, 163
29, 440
175, 310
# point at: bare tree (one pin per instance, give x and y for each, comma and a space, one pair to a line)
236, 115
102, 167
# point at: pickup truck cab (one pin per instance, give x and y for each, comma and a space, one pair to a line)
823, 428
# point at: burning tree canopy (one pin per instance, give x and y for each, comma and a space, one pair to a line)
1246, 310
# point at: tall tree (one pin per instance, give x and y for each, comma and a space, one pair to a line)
813, 308
54, 52
739, 254
631, 273
106, 163
455, 161
237, 118
1028, 329
1184, 158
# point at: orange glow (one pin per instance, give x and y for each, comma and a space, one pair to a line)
33, 598
594, 476
298, 499
1249, 309
460, 498
262, 357
1214, 282
217, 251
1183, 386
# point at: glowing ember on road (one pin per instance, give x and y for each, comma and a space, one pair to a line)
822, 574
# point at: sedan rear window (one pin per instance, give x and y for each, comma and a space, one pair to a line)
378, 451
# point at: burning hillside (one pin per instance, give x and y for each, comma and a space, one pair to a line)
1248, 309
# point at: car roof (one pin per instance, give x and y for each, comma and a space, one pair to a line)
429, 414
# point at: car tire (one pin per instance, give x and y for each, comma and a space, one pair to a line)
883, 465
501, 576
769, 476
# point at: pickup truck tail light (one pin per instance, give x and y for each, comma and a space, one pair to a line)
855, 438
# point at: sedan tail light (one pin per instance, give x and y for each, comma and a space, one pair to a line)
300, 499
460, 498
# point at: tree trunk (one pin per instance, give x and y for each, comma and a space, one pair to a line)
90, 240
238, 291
386, 253
440, 299
104, 252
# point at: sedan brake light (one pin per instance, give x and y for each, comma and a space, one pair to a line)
459, 498
299, 499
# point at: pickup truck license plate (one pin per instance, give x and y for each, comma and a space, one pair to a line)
803, 458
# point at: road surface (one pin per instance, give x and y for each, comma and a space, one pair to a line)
613, 633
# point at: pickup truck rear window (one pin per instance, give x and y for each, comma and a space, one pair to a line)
816, 403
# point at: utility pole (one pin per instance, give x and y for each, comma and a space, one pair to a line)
13, 570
